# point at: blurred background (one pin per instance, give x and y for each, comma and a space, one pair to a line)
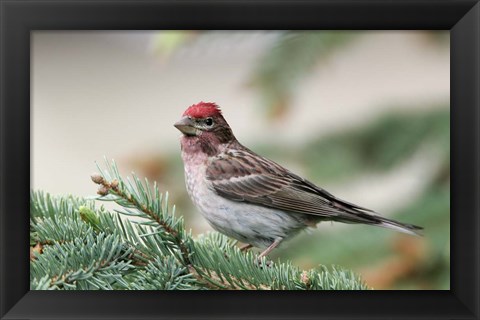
364, 115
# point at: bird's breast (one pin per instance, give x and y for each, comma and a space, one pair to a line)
247, 223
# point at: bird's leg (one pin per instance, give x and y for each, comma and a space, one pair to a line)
242, 248
245, 247
268, 250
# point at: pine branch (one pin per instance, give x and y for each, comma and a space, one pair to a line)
78, 269
138, 200
135, 261
91, 248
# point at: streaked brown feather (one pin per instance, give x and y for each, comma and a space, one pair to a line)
263, 182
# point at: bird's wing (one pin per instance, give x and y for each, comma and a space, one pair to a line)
241, 175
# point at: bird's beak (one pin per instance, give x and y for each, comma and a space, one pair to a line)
186, 126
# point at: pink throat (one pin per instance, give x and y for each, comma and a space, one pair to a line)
192, 150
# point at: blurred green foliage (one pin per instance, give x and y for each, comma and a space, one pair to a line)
381, 146
280, 70
294, 55
363, 248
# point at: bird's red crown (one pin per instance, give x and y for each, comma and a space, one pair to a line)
203, 110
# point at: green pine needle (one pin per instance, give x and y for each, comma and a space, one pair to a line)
77, 246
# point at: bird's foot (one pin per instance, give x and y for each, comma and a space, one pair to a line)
261, 263
245, 247
267, 251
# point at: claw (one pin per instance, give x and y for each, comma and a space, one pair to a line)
245, 247
258, 262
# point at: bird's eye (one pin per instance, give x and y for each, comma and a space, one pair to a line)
209, 122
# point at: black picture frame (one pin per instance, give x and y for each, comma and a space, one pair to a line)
19, 17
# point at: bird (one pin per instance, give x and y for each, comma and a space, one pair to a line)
251, 198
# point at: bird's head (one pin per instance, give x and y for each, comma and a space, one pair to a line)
204, 120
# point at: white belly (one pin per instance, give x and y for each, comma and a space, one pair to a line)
256, 225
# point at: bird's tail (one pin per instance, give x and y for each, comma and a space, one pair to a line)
398, 226
356, 214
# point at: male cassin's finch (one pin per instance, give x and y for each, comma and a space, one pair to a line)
251, 198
